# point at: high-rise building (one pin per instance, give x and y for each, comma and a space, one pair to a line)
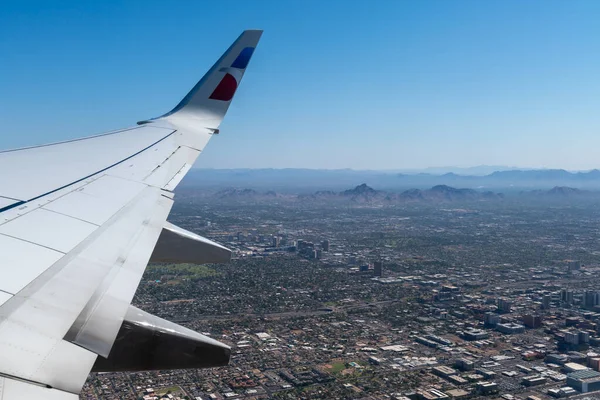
378, 268
491, 319
304, 245
566, 296
275, 241
504, 305
594, 363
546, 300
532, 321
325, 245
591, 298
572, 337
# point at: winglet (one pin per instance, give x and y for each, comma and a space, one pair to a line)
210, 98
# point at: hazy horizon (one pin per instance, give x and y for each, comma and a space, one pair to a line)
431, 169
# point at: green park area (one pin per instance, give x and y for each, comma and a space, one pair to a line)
179, 271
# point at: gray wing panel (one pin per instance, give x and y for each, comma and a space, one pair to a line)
65, 302
37, 171
97, 325
34, 321
13, 389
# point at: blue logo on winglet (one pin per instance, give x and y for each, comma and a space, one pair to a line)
243, 59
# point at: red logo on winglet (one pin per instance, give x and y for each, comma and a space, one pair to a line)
225, 89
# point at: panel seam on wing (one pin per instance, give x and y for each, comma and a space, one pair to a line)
82, 139
34, 243
126, 179
162, 163
41, 206
67, 215
88, 176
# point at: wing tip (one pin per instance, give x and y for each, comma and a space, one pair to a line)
209, 99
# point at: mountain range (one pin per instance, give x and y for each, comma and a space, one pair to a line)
364, 194
308, 180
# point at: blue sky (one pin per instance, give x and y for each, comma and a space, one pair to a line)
333, 84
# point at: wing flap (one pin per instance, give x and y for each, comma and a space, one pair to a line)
98, 323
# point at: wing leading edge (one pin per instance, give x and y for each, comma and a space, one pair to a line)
77, 234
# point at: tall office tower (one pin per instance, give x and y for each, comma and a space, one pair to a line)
504, 305
546, 301
591, 298
378, 268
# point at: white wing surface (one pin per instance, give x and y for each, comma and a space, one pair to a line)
79, 221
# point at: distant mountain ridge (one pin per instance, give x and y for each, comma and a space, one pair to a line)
548, 174
366, 195
309, 181
560, 192
235, 193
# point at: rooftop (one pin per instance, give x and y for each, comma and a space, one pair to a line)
588, 374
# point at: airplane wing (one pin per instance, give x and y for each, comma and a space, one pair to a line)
79, 222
